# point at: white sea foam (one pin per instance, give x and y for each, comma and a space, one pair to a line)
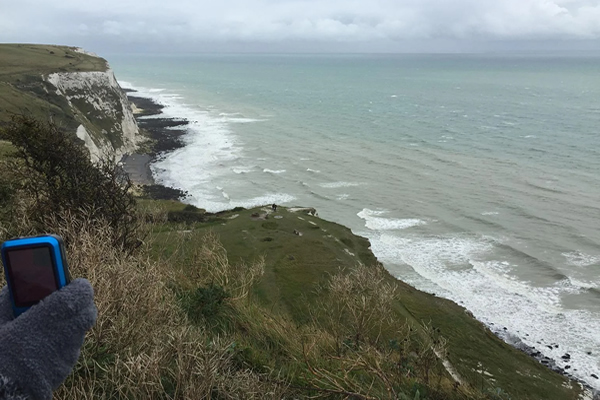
376, 223
579, 259
490, 213
209, 146
242, 120
581, 284
274, 171
209, 142
314, 171
459, 267
336, 185
242, 170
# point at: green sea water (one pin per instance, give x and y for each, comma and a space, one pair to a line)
476, 177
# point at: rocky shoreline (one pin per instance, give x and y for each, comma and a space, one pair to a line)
165, 135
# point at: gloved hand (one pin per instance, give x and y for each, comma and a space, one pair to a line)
39, 349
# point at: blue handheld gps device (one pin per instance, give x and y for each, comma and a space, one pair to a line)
34, 268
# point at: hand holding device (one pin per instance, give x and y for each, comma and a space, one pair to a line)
43, 317
34, 268
39, 348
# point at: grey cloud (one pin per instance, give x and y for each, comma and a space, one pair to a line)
186, 22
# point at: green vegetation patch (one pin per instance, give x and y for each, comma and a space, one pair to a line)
19, 60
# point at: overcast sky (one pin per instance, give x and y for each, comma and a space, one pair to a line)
305, 25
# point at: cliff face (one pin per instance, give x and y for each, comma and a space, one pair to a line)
75, 89
107, 125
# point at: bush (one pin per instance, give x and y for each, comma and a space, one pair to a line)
205, 301
58, 177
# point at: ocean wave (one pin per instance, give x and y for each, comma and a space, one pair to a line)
274, 171
242, 120
242, 170
579, 259
376, 223
336, 185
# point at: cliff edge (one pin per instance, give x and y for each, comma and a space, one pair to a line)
72, 87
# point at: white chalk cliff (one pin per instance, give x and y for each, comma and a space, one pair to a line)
101, 107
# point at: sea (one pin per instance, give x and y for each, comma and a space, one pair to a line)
475, 177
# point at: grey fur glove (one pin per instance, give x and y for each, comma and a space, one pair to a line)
39, 349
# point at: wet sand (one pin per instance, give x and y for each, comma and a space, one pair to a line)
137, 167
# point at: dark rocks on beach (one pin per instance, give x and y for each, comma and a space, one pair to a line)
531, 350
145, 105
160, 192
594, 376
567, 356
166, 132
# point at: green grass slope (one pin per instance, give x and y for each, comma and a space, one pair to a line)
297, 265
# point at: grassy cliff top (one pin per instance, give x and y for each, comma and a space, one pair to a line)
23, 89
23, 59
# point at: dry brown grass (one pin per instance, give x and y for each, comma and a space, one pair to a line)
208, 264
358, 304
143, 346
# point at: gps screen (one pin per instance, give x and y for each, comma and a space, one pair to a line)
32, 274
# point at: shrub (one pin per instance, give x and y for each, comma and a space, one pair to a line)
206, 301
57, 176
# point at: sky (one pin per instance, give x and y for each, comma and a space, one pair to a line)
305, 25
